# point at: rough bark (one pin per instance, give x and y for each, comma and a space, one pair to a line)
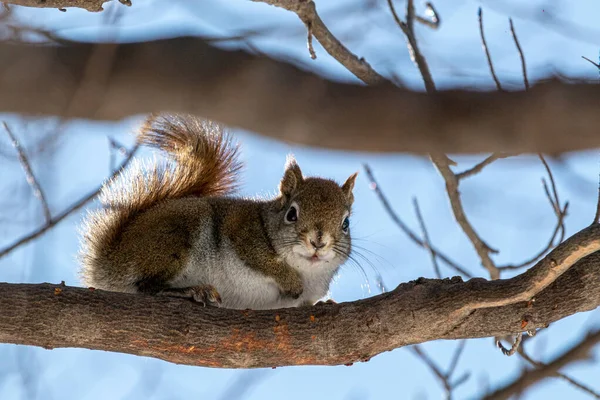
183, 332
109, 82
90, 5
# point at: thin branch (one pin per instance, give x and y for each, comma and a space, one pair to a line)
521, 55
433, 22
559, 211
404, 228
593, 63
434, 368
487, 52
483, 249
307, 12
579, 352
560, 375
426, 240
31, 179
309, 41
455, 358
480, 166
413, 48
68, 211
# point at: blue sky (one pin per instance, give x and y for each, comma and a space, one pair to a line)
505, 203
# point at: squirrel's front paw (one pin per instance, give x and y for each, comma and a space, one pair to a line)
206, 295
292, 289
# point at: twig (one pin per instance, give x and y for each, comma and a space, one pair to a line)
485, 48
560, 375
408, 30
482, 248
74, 207
426, 240
309, 41
514, 347
521, 55
411, 234
307, 12
559, 211
31, 179
593, 63
477, 168
432, 23
443, 377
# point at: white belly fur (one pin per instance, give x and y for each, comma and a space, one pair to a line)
241, 287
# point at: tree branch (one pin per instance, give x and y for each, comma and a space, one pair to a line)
331, 334
89, 5
307, 12
280, 101
579, 352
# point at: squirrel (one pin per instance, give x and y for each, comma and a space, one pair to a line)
176, 229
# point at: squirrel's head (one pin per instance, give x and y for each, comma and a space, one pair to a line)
314, 219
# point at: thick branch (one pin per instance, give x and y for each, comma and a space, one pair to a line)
280, 101
182, 332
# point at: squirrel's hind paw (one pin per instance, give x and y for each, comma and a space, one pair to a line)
206, 295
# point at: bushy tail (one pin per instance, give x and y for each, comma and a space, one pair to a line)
203, 163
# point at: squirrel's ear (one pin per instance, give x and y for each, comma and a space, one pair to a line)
292, 178
348, 186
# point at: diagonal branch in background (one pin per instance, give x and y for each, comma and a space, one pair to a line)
483, 249
307, 109
404, 228
31, 179
579, 352
408, 28
64, 214
307, 12
559, 211
327, 334
487, 51
445, 378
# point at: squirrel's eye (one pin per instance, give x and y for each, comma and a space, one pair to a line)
291, 215
345, 225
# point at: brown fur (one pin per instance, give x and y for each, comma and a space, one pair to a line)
140, 229
154, 219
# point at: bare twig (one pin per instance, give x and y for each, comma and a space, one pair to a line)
31, 179
521, 55
443, 377
309, 41
487, 52
307, 12
426, 240
68, 211
513, 348
434, 21
480, 166
482, 248
593, 63
559, 211
416, 55
411, 234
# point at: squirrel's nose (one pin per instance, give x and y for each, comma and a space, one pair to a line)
317, 246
